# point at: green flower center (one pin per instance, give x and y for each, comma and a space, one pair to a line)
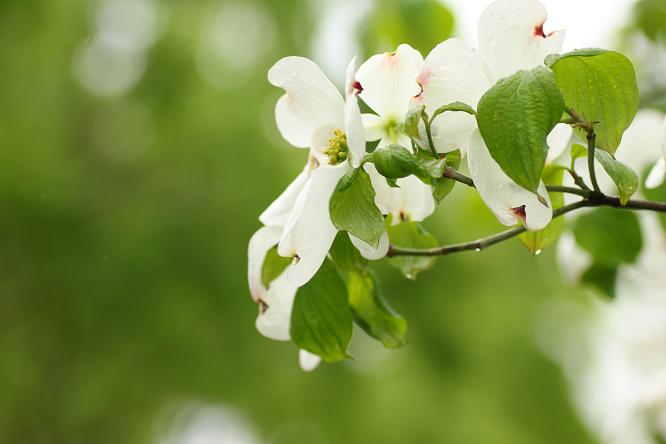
337, 150
391, 130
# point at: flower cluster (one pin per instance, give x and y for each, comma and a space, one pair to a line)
312, 114
515, 111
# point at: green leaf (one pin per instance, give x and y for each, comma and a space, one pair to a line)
353, 208
395, 162
624, 177
515, 117
410, 126
454, 107
273, 266
601, 86
610, 235
321, 321
372, 313
443, 186
536, 241
345, 256
602, 278
411, 235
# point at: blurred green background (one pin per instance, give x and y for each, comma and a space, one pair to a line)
137, 148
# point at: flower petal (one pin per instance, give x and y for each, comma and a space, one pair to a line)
389, 81
558, 141
511, 37
309, 232
411, 201
277, 212
657, 174
510, 203
308, 361
260, 243
451, 72
354, 130
368, 251
374, 127
310, 102
274, 317
351, 86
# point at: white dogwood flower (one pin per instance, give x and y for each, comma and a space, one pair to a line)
388, 83
511, 38
312, 113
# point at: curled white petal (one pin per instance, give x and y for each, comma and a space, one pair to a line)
354, 130
411, 201
310, 101
510, 203
452, 72
368, 251
350, 78
277, 212
260, 243
511, 37
309, 232
275, 306
308, 361
389, 81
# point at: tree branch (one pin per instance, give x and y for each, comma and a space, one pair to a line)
593, 200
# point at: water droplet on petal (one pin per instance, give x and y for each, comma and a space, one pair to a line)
477, 249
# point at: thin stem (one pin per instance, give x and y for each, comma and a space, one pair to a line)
426, 122
568, 190
591, 145
478, 244
593, 200
458, 176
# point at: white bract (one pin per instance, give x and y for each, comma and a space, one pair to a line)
411, 201
511, 38
313, 114
274, 302
388, 83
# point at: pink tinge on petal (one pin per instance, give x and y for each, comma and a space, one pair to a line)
520, 213
422, 80
538, 31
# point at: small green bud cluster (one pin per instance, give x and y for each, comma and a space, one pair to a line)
337, 150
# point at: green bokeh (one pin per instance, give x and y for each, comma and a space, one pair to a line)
122, 278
